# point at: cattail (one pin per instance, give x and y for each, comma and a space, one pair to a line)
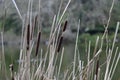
60, 43
65, 26
97, 66
60, 38
37, 45
28, 36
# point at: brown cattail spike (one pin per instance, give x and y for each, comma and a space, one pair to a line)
38, 42
60, 38
59, 44
28, 36
65, 25
97, 66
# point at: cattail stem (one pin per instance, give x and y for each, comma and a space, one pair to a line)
38, 42
33, 26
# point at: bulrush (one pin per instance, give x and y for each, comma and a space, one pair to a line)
28, 36
60, 43
65, 25
60, 39
38, 42
97, 66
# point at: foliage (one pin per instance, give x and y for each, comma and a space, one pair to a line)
11, 22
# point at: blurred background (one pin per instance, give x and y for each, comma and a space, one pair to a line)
93, 15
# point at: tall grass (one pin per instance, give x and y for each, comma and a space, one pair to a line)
35, 66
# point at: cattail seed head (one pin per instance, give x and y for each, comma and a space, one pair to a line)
60, 38
38, 42
65, 26
28, 36
97, 67
60, 43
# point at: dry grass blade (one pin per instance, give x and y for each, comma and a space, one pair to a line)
108, 22
76, 46
117, 27
110, 12
60, 63
33, 26
118, 58
3, 62
17, 9
64, 12
113, 61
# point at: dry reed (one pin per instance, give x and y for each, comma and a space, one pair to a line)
46, 68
